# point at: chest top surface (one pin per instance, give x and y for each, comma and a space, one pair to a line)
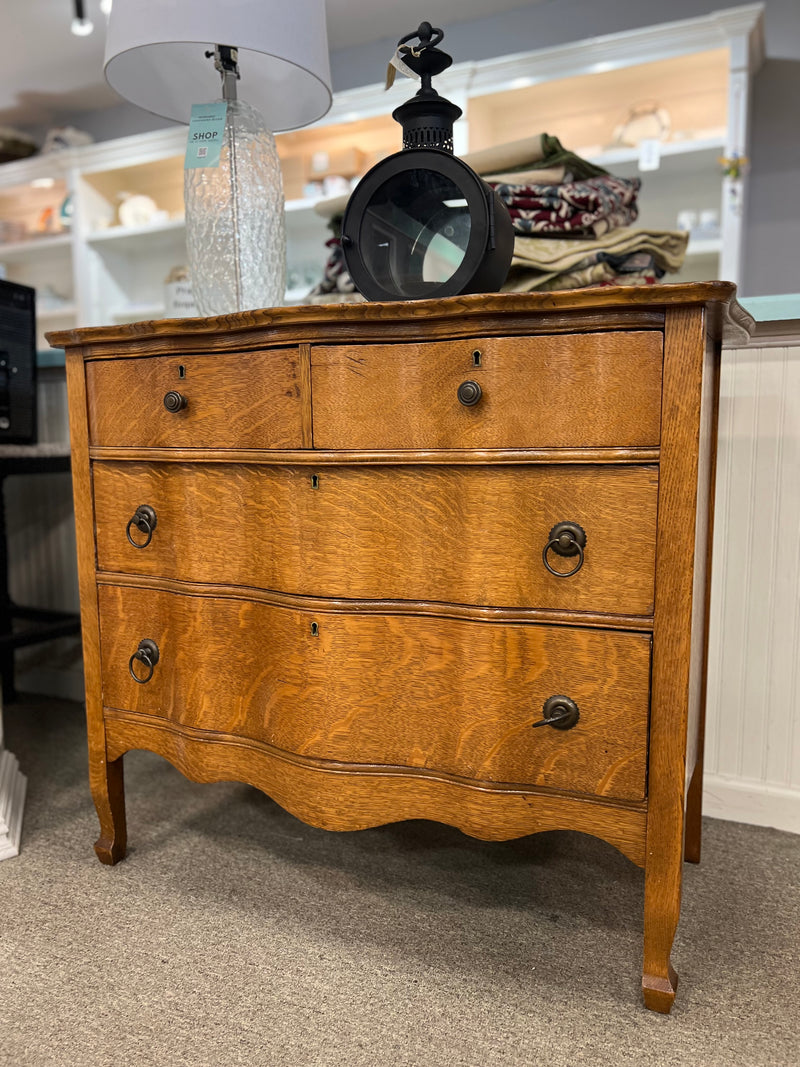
578, 310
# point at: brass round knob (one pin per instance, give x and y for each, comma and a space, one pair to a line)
469, 393
560, 712
174, 401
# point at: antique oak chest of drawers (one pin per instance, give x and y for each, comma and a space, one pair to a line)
438, 560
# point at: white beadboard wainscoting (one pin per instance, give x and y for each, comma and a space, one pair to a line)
752, 758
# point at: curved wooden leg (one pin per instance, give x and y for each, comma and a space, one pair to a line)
108, 791
662, 904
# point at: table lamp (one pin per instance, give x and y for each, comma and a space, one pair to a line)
168, 57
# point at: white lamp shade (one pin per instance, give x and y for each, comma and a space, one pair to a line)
155, 56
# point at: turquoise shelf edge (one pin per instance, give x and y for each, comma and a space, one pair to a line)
772, 308
50, 357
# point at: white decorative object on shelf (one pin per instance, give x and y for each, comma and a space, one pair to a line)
137, 210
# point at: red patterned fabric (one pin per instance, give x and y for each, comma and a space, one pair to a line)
585, 208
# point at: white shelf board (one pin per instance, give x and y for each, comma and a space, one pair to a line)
305, 203
614, 156
298, 295
34, 246
64, 312
704, 246
138, 312
128, 238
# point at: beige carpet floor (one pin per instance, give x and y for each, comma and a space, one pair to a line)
234, 934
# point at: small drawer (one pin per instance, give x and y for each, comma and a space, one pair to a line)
468, 535
595, 390
230, 400
440, 696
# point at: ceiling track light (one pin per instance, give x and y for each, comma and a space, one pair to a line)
81, 26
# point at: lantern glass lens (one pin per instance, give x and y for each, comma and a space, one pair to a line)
414, 232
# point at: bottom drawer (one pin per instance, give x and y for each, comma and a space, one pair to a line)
444, 696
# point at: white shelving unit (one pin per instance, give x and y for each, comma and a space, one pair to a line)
699, 69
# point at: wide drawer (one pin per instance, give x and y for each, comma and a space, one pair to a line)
444, 696
595, 390
470, 535
232, 400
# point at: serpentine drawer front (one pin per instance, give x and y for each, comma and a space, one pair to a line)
492, 392
429, 560
442, 703
468, 535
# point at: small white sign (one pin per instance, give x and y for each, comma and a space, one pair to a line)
649, 154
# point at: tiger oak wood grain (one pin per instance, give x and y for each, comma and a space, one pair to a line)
498, 313
543, 391
332, 797
678, 644
323, 695
471, 536
477, 613
234, 400
106, 779
376, 458
412, 708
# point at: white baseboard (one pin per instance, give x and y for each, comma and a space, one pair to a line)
12, 801
754, 802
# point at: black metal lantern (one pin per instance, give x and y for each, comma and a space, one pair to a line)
421, 223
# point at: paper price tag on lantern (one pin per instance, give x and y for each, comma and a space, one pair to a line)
396, 63
206, 129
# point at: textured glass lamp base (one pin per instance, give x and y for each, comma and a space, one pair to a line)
235, 224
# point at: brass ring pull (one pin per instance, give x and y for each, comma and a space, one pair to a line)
565, 539
560, 712
148, 654
145, 521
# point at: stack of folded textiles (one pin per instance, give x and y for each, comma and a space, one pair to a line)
572, 220
572, 224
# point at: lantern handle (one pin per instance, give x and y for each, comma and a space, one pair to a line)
425, 60
428, 35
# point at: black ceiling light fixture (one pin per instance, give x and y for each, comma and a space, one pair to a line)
421, 223
81, 25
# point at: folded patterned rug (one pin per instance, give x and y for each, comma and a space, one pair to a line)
587, 208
